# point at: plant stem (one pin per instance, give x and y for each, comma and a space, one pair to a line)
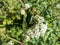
12, 39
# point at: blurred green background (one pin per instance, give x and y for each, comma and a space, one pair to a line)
13, 24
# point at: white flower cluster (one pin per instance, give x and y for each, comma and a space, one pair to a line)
10, 43
43, 29
36, 31
39, 29
27, 6
33, 33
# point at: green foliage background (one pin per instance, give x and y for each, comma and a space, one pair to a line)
13, 24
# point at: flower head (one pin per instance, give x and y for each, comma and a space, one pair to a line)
30, 32
41, 19
37, 35
22, 12
43, 29
27, 6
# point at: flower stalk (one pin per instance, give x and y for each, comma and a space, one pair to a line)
12, 39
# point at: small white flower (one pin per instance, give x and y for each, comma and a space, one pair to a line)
22, 12
43, 26
41, 19
43, 29
10, 43
38, 33
42, 32
27, 6
30, 32
32, 36
36, 28
36, 36
58, 5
